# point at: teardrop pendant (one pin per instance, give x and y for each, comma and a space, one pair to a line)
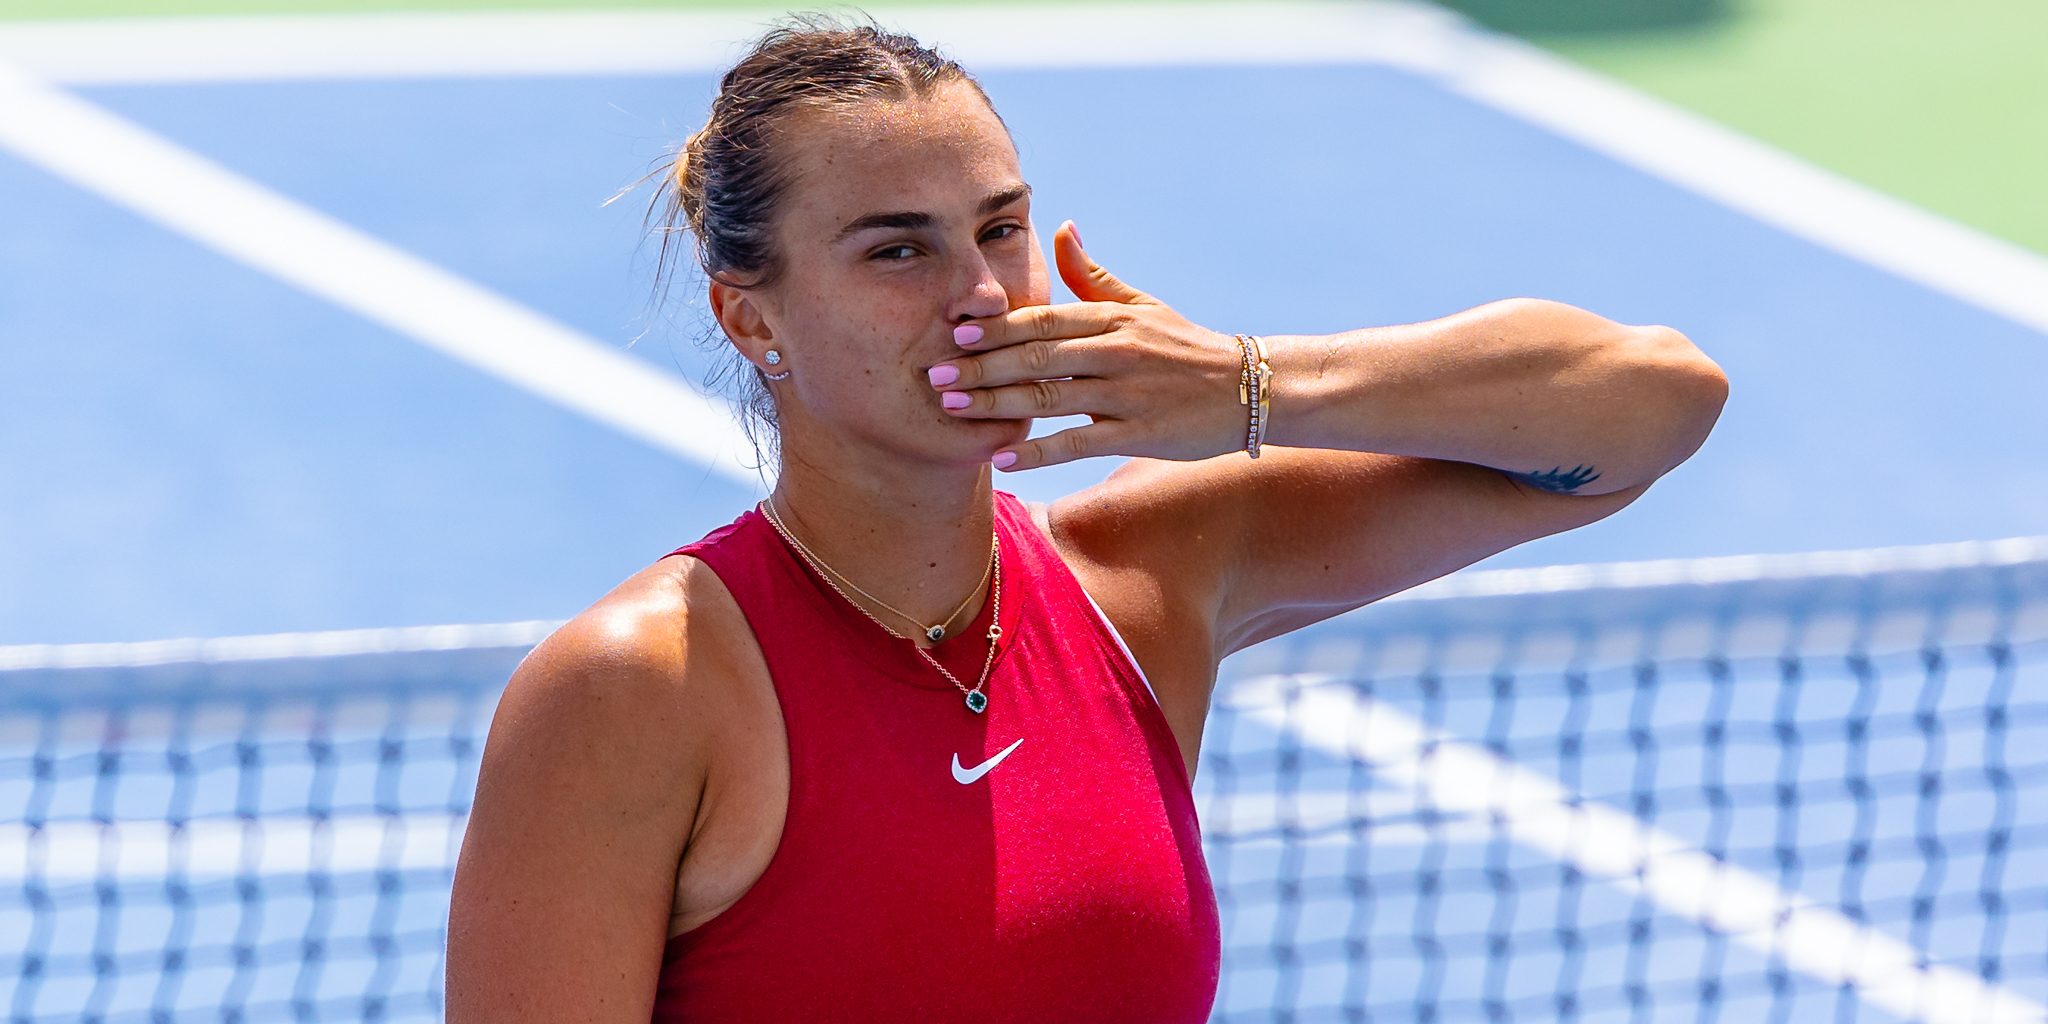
977, 701
935, 634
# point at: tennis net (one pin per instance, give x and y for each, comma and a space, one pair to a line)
1780, 788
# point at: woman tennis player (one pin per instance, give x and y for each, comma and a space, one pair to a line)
893, 745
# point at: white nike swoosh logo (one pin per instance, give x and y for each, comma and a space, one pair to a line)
965, 776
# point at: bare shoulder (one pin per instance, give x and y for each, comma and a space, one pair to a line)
652, 658
590, 786
1139, 542
1142, 561
643, 645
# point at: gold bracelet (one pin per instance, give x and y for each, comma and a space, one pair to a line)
1244, 372
1254, 382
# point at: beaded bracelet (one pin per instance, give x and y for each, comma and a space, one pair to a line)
1255, 379
1262, 385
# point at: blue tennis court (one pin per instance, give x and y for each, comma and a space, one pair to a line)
243, 457
197, 446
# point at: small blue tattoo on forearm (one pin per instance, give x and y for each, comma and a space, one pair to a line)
1559, 482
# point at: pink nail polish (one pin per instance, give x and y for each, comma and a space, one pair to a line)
943, 375
1003, 460
954, 399
1077, 235
967, 334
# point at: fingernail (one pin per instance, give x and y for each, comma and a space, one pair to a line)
943, 375
954, 399
967, 334
1077, 235
1003, 460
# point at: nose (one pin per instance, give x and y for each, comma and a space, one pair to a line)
980, 292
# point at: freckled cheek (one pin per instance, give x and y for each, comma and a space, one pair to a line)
876, 363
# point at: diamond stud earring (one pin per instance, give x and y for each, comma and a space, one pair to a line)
775, 359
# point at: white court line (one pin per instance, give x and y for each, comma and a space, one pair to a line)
1811, 938
384, 45
1649, 134
1745, 174
167, 183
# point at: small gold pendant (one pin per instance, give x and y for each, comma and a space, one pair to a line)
935, 634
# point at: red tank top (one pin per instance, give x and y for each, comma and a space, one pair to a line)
1040, 861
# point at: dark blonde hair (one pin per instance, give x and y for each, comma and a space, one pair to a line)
726, 182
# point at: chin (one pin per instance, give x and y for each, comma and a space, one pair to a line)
990, 435
1016, 430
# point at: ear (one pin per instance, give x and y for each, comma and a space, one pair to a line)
739, 315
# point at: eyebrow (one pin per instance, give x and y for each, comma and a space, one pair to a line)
917, 219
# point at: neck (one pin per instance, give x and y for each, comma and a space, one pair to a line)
918, 541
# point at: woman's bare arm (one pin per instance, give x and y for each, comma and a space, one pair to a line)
587, 792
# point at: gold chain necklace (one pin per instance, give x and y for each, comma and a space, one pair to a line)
977, 701
933, 633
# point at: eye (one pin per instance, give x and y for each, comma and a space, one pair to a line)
882, 255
